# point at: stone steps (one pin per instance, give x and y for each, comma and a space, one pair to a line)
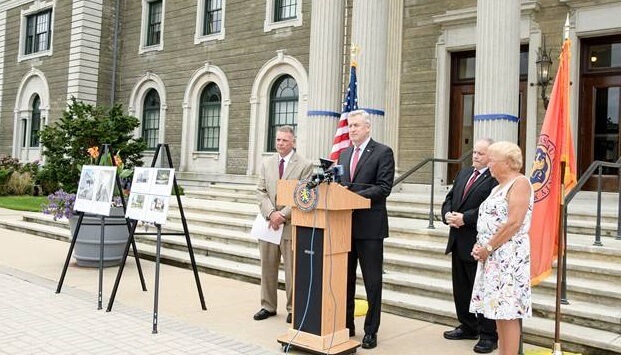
417, 273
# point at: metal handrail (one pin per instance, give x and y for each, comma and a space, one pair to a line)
418, 166
588, 173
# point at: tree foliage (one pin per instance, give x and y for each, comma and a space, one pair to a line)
82, 126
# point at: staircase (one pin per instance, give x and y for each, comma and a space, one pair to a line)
417, 280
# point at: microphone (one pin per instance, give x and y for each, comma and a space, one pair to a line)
315, 180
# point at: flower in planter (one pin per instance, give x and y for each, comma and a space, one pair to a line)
59, 205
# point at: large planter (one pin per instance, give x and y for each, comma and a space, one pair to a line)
86, 251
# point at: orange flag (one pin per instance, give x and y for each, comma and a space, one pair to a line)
553, 146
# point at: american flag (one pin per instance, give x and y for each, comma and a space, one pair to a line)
341, 137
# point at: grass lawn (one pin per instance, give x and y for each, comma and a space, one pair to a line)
23, 203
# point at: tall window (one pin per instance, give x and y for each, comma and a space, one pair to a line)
154, 26
283, 108
151, 119
209, 119
285, 10
35, 122
213, 17
38, 32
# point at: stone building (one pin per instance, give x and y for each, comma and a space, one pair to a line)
213, 78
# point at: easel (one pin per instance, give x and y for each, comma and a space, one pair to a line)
103, 149
159, 233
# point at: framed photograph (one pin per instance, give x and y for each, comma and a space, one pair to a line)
95, 189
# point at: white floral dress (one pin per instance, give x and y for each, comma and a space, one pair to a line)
502, 283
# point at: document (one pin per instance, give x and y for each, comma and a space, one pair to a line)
261, 230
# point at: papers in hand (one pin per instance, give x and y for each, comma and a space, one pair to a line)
261, 230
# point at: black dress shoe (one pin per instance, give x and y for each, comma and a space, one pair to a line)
458, 334
369, 341
352, 332
263, 314
485, 346
289, 318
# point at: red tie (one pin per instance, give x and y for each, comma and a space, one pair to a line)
281, 168
354, 162
473, 178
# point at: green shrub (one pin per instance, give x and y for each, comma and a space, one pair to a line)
8, 162
5, 175
83, 126
20, 184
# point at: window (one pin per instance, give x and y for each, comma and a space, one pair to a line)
154, 27
35, 122
283, 108
209, 119
284, 10
282, 13
213, 17
151, 119
35, 30
38, 32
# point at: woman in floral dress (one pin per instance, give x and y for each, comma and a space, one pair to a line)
502, 283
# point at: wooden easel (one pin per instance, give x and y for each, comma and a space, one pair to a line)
159, 233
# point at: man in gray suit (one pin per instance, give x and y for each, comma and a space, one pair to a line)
287, 164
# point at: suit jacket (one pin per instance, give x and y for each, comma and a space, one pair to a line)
297, 168
373, 179
462, 239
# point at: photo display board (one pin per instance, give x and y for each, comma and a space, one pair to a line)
150, 194
95, 189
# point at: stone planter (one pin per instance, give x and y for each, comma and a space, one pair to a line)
86, 251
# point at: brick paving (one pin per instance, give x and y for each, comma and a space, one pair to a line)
36, 320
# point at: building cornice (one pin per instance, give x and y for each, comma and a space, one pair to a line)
469, 15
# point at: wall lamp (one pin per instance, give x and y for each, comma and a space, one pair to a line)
543, 71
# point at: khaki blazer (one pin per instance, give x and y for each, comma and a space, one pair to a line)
298, 168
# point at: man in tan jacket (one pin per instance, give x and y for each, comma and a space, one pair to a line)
287, 164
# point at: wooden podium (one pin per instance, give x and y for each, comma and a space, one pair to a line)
318, 324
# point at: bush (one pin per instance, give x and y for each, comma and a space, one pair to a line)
82, 126
5, 175
20, 184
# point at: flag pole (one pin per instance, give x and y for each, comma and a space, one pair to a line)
561, 241
559, 266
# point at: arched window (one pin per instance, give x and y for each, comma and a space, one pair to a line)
283, 108
209, 119
151, 119
35, 122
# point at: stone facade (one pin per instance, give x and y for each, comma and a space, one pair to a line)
250, 54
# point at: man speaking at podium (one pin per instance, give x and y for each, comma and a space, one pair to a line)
369, 170
287, 164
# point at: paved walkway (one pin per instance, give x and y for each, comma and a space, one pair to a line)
36, 320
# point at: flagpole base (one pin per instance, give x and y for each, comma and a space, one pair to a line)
557, 349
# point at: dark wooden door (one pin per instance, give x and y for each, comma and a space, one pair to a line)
599, 132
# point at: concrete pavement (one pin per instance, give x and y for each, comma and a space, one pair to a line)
33, 319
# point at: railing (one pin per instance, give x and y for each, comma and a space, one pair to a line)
595, 166
418, 166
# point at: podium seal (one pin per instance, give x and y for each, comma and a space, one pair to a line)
305, 199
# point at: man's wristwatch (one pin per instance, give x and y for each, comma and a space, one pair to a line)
489, 248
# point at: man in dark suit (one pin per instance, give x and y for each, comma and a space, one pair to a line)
286, 164
369, 170
460, 211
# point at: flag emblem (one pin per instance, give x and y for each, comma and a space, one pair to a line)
541, 172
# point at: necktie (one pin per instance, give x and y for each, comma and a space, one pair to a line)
281, 168
473, 178
354, 162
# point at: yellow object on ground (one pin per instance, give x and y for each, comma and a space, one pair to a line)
546, 352
360, 307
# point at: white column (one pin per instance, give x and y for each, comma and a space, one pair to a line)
497, 70
369, 33
325, 73
393, 76
84, 50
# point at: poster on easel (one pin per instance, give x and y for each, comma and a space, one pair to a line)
95, 189
150, 194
